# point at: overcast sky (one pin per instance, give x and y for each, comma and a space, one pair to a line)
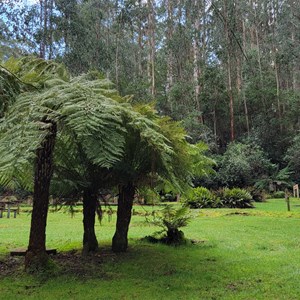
30, 1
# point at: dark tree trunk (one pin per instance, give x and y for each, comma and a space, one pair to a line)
125, 201
36, 257
175, 236
90, 200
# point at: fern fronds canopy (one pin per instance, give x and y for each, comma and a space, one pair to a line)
78, 106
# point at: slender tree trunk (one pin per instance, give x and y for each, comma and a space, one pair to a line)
117, 56
140, 43
125, 201
36, 257
117, 47
90, 200
229, 71
50, 36
215, 121
273, 23
151, 41
278, 95
243, 79
43, 24
295, 66
254, 6
170, 60
196, 59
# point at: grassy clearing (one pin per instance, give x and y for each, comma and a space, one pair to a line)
240, 254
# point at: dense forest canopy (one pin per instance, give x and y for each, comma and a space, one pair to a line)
228, 69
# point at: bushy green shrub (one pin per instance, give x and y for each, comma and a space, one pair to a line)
170, 219
242, 165
236, 198
278, 194
201, 197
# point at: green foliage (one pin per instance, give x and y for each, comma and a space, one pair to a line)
278, 195
95, 124
34, 72
242, 165
83, 107
201, 197
292, 158
279, 178
236, 198
149, 195
170, 219
188, 160
9, 89
80, 107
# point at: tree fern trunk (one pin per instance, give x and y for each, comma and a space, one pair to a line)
36, 256
90, 242
125, 201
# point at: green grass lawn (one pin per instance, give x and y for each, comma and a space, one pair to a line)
239, 254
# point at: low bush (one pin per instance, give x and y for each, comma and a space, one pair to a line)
201, 197
236, 198
278, 194
170, 219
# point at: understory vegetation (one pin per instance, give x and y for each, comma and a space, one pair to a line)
201, 197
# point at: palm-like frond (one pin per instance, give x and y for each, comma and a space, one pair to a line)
26, 74
94, 119
9, 89
170, 218
35, 71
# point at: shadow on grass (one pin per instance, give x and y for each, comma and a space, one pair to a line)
142, 261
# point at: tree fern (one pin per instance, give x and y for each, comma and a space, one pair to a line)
36, 71
95, 120
9, 89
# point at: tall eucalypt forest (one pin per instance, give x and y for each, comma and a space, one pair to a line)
229, 70
94, 89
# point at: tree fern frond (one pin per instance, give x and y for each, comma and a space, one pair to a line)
36, 71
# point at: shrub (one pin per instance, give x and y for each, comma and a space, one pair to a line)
236, 198
278, 194
201, 197
170, 220
242, 165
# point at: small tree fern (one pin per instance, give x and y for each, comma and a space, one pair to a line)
171, 219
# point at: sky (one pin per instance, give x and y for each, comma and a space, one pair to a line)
30, 2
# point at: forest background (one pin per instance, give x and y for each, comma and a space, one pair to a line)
228, 69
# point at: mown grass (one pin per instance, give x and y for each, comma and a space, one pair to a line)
238, 254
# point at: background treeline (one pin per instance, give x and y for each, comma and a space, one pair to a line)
228, 69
